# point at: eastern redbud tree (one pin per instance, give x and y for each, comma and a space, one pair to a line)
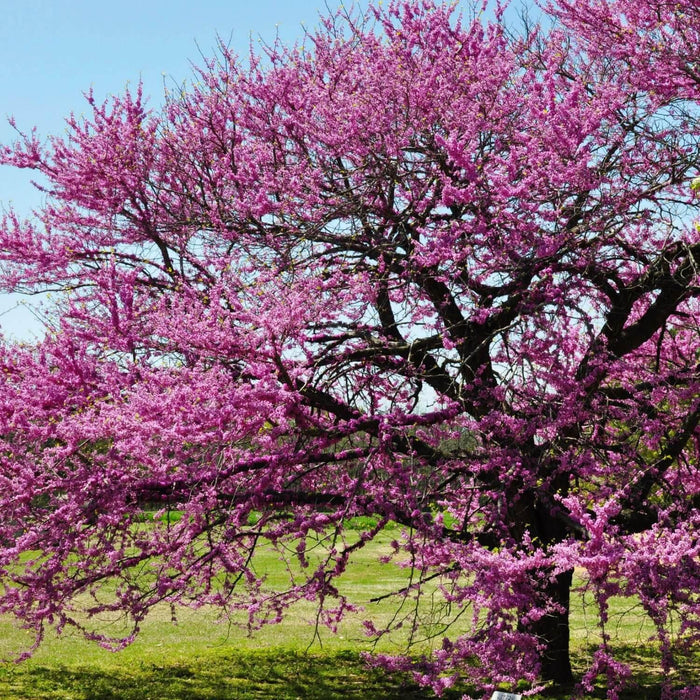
422, 267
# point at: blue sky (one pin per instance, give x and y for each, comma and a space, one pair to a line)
51, 51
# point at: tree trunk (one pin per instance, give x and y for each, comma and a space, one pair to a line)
532, 516
553, 631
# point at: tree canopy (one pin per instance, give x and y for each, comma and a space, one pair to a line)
425, 267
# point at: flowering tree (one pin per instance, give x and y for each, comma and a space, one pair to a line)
419, 268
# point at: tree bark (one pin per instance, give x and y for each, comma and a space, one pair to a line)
533, 515
553, 632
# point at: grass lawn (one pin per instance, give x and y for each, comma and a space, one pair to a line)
201, 657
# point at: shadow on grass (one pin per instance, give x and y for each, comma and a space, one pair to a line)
282, 675
647, 676
276, 674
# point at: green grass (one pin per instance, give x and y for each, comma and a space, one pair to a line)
201, 657
278, 673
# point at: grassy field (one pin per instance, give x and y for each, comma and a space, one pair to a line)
201, 657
